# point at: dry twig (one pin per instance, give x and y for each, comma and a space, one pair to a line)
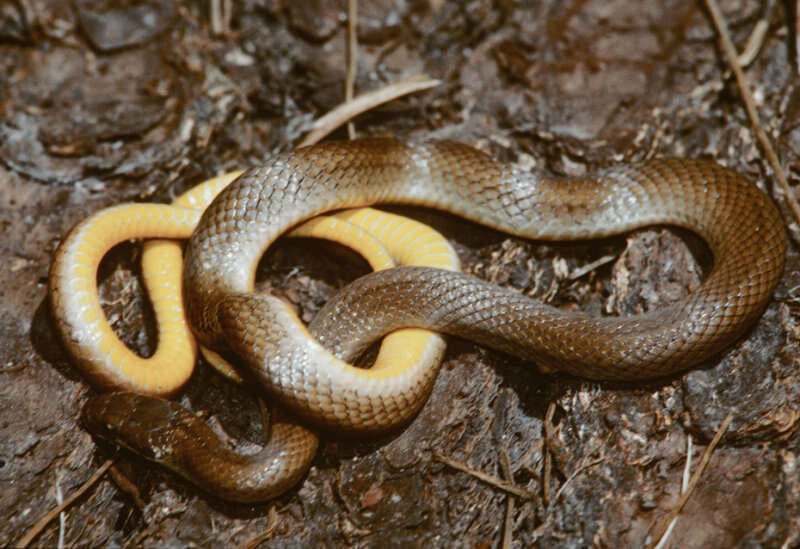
754, 43
577, 472
549, 435
505, 466
265, 535
488, 479
45, 520
749, 104
687, 473
127, 486
352, 59
220, 16
364, 102
701, 467
796, 15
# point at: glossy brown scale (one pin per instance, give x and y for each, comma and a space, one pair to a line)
739, 223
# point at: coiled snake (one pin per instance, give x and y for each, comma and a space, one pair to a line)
738, 222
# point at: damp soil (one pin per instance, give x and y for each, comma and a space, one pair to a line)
106, 102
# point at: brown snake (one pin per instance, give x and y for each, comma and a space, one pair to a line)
738, 222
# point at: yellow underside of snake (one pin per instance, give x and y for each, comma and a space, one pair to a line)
383, 239
738, 222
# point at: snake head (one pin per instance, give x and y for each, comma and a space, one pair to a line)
141, 423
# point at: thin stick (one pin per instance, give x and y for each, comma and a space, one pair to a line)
364, 102
578, 273
45, 520
125, 484
215, 16
754, 43
352, 59
687, 473
227, 14
796, 15
749, 104
488, 479
265, 535
62, 519
508, 522
701, 467
577, 472
549, 434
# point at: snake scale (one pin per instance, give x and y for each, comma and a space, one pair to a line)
162, 430
741, 226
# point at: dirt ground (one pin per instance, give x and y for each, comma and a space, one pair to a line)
106, 102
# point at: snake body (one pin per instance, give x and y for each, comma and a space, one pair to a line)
738, 222
169, 434
383, 239
164, 431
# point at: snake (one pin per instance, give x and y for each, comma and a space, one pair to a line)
738, 222
741, 226
134, 415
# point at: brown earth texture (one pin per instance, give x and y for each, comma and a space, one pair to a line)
113, 101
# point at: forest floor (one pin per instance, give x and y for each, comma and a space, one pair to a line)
107, 102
